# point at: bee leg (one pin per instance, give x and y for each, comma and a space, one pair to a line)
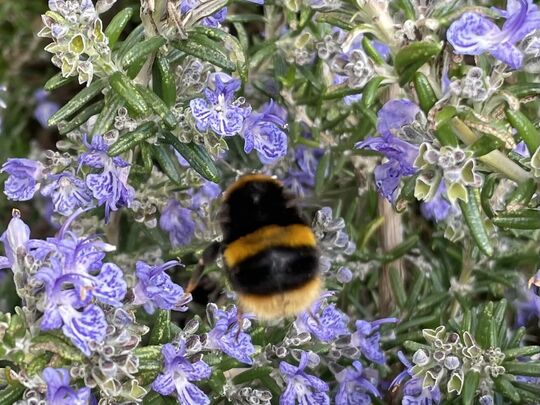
239, 323
209, 255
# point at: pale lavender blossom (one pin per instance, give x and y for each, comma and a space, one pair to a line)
155, 289
413, 392
354, 388
475, 34
219, 110
59, 392
323, 321
70, 309
301, 179
110, 186
44, 108
226, 336
367, 339
178, 375
522, 149
528, 307
205, 194
438, 208
178, 222
74, 277
67, 192
263, 131
14, 239
213, 20
302, 388
394, 115
24, 178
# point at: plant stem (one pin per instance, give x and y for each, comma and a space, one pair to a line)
496, 160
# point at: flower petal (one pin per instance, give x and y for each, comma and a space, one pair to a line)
111, 287
473, 34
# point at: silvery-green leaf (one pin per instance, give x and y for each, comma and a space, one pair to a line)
420, 162
77, 44
457, 191
421, 189
455, 383
535, 163
432, 379
467, 172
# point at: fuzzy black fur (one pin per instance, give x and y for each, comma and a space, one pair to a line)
254, 205
275, 270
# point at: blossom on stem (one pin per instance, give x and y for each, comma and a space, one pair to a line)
213, 20
14, 238
155, 289
413, 392
301, 180
325, 322
59, 391
219, 110
24, 178
225, 334
401, 155
67, 192
475, 34
264, 132
110, 186
354, 387
44, 108
367, 338
302, 388
178, 375
178, 222
438, 208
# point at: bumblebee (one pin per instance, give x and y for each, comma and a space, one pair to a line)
269, 251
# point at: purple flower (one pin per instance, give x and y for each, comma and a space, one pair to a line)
302, 388
213, 20
58, 390
44, 108
367, 338
325, 324
208, 192
155, 289
438, 208
225, 335
263, 132
218, 110
68, 193
23, 180
413, 392
14, 238
82, 328
400, 154
63, 306
178, 374
474, 34
74, 276
529, 306
178, 222
301, 180
109, 187
354, 388
522, 149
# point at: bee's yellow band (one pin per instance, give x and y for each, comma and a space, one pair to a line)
283, 304
267, 237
